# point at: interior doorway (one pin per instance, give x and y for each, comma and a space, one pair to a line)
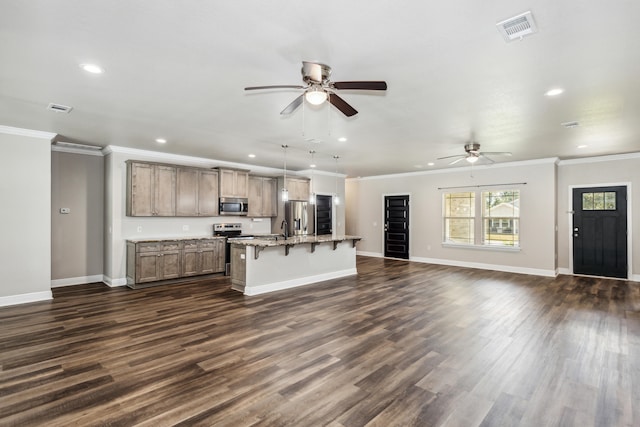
599, 231
396, 226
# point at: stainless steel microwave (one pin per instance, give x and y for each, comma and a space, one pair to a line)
238, 206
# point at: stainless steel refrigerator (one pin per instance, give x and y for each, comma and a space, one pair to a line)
300, 218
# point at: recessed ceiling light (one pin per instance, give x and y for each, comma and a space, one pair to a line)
312, 166
161, 140
252, 155
342, 139
582, 146
430, 164
554, 92
92, 68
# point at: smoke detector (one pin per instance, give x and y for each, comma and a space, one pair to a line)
517, 27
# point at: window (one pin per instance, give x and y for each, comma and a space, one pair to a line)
499, 218
599, 201
459, 218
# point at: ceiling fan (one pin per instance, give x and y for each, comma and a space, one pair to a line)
319, 88
474, 154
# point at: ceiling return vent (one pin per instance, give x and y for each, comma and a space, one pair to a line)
59, 108
517, 27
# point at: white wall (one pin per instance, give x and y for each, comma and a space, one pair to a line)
620, 170
77, 183
25, 219
365, 214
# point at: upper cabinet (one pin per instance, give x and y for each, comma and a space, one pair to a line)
196, 192
262, 197
155, 189
234, 183
151, 189
298, 188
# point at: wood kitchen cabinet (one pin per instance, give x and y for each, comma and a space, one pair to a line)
262, 197
233, 183
298, 189
150, 262
151, 189
196, 192
167, 261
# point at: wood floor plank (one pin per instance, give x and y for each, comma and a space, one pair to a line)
400, 344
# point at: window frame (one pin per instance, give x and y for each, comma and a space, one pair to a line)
478, 221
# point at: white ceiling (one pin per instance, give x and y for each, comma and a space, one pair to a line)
177, 69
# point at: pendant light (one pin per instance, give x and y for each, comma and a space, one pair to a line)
285, 193
312, 194
336, 197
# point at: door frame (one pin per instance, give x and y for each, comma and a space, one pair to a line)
382, 215
629, 223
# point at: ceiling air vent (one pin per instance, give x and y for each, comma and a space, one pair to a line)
517, 27
570, 124
59, 108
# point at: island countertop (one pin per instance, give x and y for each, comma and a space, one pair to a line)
294, 240
171, 239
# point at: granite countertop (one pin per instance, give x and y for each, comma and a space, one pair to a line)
172, 239
295, 240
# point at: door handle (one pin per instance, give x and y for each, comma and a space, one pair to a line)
386, 227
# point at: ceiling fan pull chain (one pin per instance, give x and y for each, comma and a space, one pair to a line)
328, 114
303, 134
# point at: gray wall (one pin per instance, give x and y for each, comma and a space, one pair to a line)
365, 214
77, 183
25, 219
624, 169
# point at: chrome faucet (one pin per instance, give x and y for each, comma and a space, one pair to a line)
284, 226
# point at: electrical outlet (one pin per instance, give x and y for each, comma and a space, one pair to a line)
139, 229
185, 228
65, 210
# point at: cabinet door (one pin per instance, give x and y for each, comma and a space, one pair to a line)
238, 266
171, 265
207, 261
190, 262
255, 196
242, 184
227, 183
147, 267
269, 191
298, 189
165, 191
140, 189
220, 258
208, 193
187, 192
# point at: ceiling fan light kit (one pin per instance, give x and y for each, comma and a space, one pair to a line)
474, 154
320, 88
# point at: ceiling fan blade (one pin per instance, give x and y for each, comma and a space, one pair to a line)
275, 87
342, 105
363, 85
459, 160
294, 104
451, 157
497, 153
484, 156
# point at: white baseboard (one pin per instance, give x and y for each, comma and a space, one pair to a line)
25, 298
76, 281
564, 271
303, 281
114, 282
371, 254
635, 277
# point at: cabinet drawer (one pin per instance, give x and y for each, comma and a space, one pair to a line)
207, 244
148, 247
190, 245
170, 246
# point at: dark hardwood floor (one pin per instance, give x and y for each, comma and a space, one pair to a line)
401, 344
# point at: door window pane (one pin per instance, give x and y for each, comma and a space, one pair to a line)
610, 201
602, 201
587, 201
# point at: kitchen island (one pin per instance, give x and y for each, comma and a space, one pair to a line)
266, 265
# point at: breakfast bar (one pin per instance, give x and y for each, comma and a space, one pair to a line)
266, 265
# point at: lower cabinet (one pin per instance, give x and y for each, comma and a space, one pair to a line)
166, 260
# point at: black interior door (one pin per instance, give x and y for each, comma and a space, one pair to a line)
396, 227
323, 214
600, 231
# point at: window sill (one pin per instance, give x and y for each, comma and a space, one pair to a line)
482, 247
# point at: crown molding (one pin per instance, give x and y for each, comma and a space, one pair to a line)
27, 132
551, 160
609, 158
85, 152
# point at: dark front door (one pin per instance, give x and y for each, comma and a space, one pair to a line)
396, 227
600, 231
323, 214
